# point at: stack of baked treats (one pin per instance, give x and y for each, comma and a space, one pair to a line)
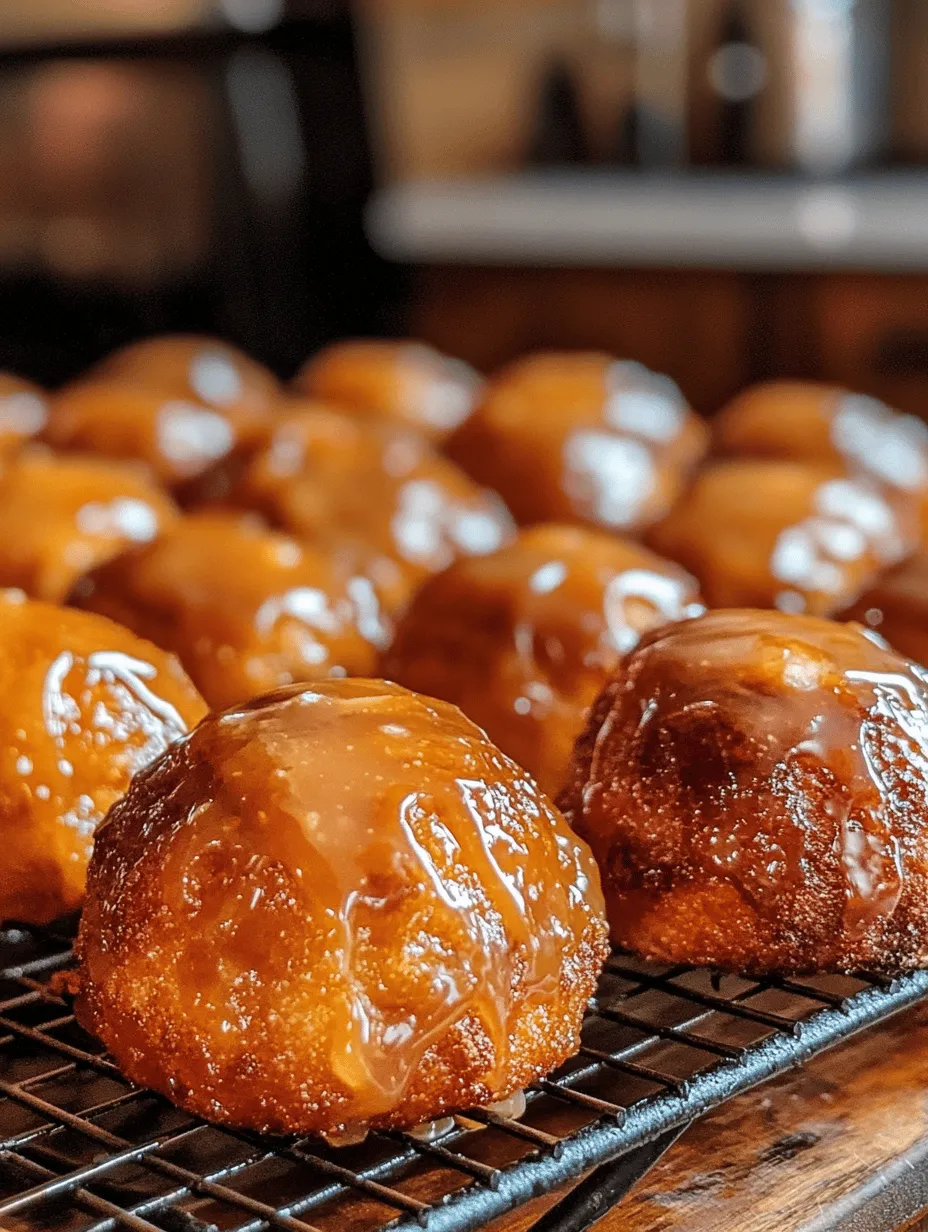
651, 677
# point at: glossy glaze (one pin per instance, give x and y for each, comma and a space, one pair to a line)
582, 438
60, 516
179, 439
404, 381
338, 907
86, 705
524, 639
753, 787
324, 473
246, 609
23, 412
790, 535
896, 606
196, 369
805, 420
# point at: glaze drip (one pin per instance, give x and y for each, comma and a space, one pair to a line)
402, 829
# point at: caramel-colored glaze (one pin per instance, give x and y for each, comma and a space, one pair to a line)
326, 473
753, 787
896, 606
404, 381
812, 422
180, 440
523, 640
60, 516
194, 408
336, 908
245, 609
582, 438
23, 412
220, 485
196, 369
87, 706
784, 534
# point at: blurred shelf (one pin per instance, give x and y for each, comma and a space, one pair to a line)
695, 220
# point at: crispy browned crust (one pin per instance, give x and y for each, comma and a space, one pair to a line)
292, 1092
726, 835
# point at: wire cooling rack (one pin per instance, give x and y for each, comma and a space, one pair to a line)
82, 1149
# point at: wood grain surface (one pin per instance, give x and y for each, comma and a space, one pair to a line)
840, 1144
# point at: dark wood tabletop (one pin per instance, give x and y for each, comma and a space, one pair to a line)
841, 1143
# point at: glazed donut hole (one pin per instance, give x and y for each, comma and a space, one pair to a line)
86, 704
180, 440
752, 786
60, 516
791, 535
247, 609
825, 424
407, 382
582, 438
437, 928
324, 473
813, 422
202, 370
524, 639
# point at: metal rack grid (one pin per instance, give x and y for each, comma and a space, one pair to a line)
82, 1149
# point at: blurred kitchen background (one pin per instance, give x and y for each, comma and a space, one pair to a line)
722, 189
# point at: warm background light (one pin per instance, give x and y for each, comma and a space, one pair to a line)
22, 20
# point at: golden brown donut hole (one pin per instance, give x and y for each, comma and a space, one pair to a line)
783, 534
752, 785
582, 438
86, 705
181, 441
808, 421
524, 639
338, 907
195, 369
60, 516
408, 382
246, 609
813, 422
324, 473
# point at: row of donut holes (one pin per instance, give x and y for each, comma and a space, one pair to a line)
810, 496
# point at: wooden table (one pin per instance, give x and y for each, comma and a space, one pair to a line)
840, 1144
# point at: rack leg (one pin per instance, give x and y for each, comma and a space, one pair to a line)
595, 1196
